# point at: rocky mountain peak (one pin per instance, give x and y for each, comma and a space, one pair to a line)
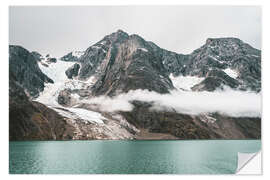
226, 54
228, 47
121, 62
72, 56
120, 32
115, 37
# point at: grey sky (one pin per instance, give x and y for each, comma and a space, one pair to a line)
60, 29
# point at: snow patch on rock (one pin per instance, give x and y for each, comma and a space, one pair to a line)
185, 82
214, 58
231, 73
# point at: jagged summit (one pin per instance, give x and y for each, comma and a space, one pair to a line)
121, 32
217, 57
115, 37
121, 62
118, 37
230, 45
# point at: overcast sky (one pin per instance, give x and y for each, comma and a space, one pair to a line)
59, 30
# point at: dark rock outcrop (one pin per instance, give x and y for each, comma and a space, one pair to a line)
73, 71
23, 65
51, 60
37, 56
215, 79
64, 97
72, 56
69, 57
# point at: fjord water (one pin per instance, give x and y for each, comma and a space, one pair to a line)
128, 157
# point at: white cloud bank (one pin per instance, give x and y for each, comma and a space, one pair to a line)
229, 102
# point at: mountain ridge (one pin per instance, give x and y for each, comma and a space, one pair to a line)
119, 63
216, 56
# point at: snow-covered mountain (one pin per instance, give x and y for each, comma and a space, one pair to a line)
80, 84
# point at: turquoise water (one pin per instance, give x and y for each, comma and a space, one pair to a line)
127, 157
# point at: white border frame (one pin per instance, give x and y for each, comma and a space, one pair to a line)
4, 80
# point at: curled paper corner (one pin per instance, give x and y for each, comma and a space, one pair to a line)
249, 163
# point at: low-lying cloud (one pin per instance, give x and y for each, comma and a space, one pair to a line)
229, 102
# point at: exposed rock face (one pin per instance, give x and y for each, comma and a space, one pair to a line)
222, 53
69, 57
36, 55
94, 55
51, 60
122, 63
173, 62
72, 56
64, 97
216, 79
73, 71
23, 65
218, 55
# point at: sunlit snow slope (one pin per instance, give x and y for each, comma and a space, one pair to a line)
231, 73
56, 71
185, 82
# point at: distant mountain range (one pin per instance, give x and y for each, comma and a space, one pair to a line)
47, 95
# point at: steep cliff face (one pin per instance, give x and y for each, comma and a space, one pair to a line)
30, 120
122, 63
23, 65
73, 71
225, 61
